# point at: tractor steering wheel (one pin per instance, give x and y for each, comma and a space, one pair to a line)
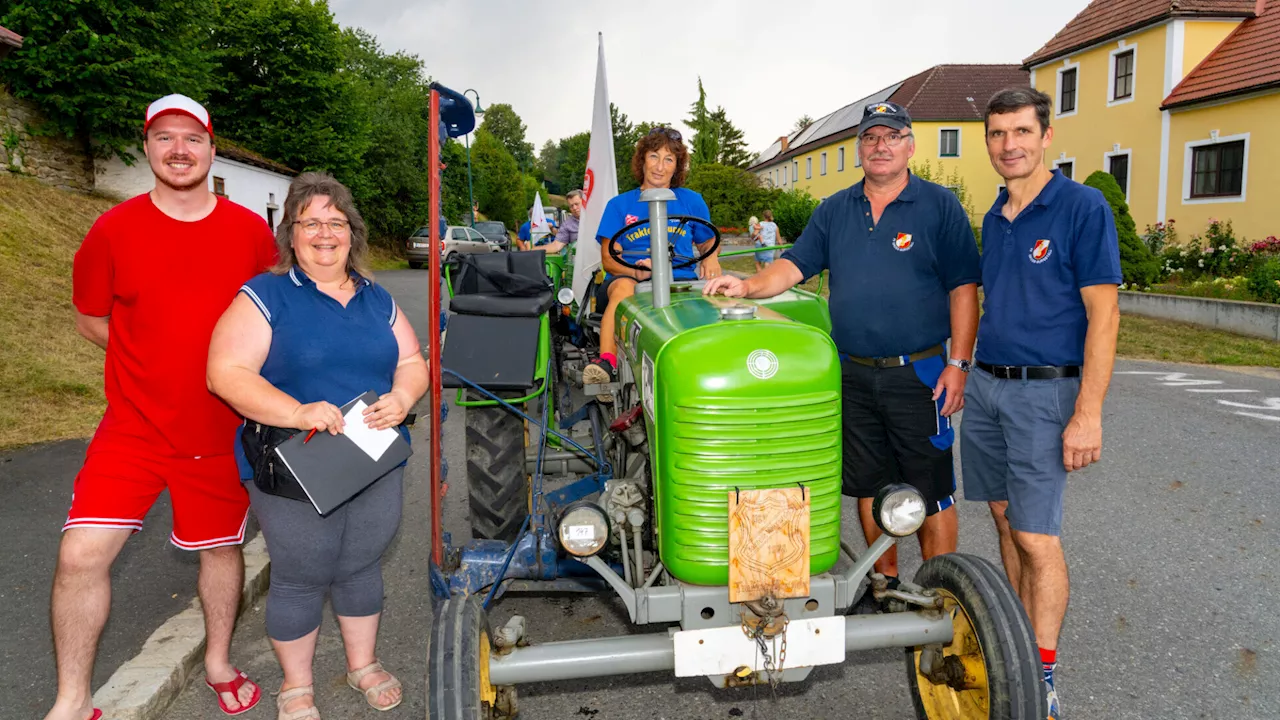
615, 247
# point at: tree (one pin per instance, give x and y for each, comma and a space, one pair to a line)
93, 66
625, 138
1137, 263
282, 89
732, 194
505, 125
453, 189
706, 133
498, 182
733, 147
792, 210
548, 164
802, 123
572, 160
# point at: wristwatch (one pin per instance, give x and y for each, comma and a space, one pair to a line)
964, 365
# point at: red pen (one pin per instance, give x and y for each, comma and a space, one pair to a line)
313, 432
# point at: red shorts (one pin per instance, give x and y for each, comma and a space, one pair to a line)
122, 477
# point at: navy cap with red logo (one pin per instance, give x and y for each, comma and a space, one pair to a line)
890, 115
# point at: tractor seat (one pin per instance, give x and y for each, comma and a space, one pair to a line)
505, 284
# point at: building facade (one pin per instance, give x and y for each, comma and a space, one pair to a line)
946, 103
1174, 98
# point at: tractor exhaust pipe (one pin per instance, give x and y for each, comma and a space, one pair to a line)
660, 281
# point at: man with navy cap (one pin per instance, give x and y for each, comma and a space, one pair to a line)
904, 272
151, 279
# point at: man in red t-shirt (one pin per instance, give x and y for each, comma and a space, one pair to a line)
151, 279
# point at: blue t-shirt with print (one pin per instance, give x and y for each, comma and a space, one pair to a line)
626, 208
320, 350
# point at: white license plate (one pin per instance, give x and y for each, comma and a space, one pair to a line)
721, 651
422, 245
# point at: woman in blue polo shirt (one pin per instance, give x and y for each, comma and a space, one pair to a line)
296, 344
660, 160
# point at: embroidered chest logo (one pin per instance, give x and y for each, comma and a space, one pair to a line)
903, 242
1040, 251
630, 219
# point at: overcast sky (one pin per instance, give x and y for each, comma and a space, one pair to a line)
766, 62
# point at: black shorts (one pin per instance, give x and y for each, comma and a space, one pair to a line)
894, 431
602, 292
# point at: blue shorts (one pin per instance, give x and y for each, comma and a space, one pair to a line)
764, 256
1011, 447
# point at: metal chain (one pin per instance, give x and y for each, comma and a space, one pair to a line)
772, 672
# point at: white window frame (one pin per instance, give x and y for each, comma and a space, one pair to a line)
1187, 166
1111, 75
795, 171
822, 164
857, 159
1067, 65
808, 168
840, 159
959, 140
1064, 161
1106, 167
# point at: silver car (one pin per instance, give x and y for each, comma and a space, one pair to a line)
459, 240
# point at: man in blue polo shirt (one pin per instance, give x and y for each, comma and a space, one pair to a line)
1046, 346
904, 274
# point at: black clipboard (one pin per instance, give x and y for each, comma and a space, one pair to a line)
332, 469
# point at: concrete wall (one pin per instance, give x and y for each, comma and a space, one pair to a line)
58, 161
1246, 318
259, 190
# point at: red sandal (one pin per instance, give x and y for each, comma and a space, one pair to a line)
233, 686
97, 714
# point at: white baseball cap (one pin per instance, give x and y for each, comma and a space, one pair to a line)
178, 105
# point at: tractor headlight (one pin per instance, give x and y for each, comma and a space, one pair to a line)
565, 296
899, 510
584, 529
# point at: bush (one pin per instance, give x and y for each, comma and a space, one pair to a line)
732, 194
792, 210
1159, 236
1264, 282
1137, 263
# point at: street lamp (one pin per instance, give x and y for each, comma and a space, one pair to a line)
470, 193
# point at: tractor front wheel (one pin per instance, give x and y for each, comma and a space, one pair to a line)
458, 666
497, 486
991, 667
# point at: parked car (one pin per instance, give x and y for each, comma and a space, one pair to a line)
459, 240
494, 231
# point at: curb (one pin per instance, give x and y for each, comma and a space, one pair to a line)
143, 687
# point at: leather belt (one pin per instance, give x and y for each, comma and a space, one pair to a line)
1030, 372
897, 360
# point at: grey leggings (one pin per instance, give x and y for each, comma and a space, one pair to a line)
341, 554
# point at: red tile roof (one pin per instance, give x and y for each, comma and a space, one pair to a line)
1106, 19
956, 92
1247, 60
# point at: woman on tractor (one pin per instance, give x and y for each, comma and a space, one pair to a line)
661, 160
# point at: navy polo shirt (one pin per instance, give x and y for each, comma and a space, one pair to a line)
320, 350
891, 281
1033, 269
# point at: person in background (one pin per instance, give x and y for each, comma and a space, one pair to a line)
297, 343
568, 233
767, 238
1043, 367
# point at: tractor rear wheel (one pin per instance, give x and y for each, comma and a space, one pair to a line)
497, 486
458, 654
991, 668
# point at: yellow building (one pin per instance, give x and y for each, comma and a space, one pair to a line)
1177, 99
946, 104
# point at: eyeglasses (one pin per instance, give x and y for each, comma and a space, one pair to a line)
669, 132
312, 227
892, 139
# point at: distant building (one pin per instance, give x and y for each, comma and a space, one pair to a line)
1177, 99
238, 174
946, 103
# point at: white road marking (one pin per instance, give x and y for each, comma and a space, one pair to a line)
1172, 379
1260, 416
1267, 404
1220, 390
1182, 380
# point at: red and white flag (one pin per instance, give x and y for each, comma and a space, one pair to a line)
538, 218
599, 185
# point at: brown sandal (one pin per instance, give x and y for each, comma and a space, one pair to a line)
285, 696
371, 694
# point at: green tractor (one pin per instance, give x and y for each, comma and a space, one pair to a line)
706, 495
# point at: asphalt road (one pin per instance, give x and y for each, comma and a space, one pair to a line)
1173, 541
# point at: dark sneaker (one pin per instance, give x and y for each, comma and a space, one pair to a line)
599, 372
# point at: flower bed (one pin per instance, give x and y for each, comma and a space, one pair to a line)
1215, 264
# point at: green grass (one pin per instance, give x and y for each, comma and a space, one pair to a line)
384, 257
1151, 339
746, 264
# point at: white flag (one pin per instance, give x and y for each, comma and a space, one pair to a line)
538, 218
599, 185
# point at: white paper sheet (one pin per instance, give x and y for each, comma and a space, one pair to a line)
373, 442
